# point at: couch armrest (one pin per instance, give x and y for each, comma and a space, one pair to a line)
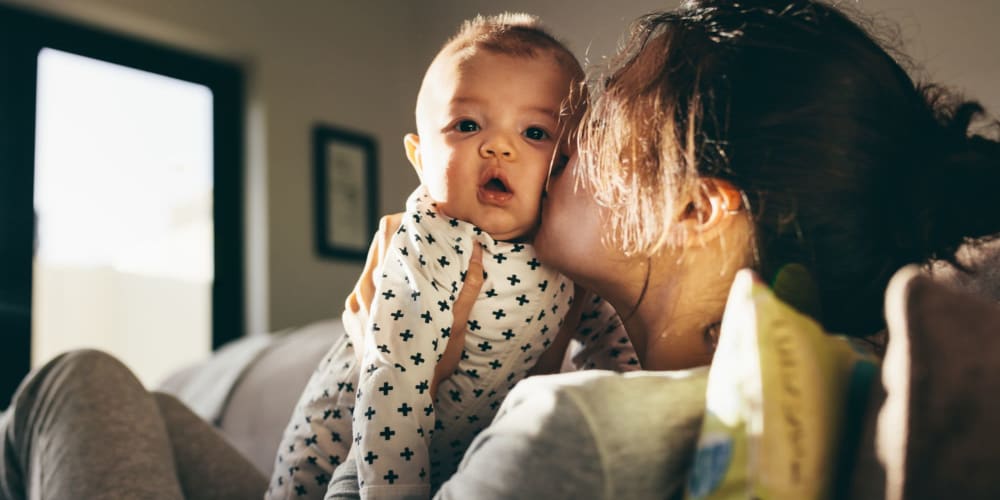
249, 387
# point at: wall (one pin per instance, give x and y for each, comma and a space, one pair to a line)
358, 64
950, 42
341, 63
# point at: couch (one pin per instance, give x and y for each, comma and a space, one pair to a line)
228, 388
928, 433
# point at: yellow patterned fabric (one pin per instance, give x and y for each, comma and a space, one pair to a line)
783, 405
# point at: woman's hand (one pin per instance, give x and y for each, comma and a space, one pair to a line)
358, 303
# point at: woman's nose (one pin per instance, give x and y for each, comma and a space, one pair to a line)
497, 146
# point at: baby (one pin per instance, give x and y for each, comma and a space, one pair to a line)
488, 122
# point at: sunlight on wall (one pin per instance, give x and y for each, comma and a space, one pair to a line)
123, 196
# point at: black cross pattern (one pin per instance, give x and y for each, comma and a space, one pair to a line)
387, 433
418, 301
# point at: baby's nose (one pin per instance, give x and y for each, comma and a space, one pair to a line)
497, 147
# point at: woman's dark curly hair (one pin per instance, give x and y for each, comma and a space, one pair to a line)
847, 166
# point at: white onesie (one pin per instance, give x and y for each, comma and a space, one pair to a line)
407, 443
517, 315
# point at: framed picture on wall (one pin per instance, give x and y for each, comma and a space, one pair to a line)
345, 174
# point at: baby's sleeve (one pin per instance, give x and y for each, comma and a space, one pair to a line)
601, 341
394, 416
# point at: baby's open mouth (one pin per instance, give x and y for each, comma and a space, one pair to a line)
494, 188
496, 185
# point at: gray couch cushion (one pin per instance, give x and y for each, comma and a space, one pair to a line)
205, 387
250, 386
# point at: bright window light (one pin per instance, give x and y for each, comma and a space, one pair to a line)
123, 196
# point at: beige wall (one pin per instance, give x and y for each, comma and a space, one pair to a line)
951, 42
358, 64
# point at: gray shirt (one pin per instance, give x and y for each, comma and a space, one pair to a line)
588, 434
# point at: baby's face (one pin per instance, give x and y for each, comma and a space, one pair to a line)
488, 128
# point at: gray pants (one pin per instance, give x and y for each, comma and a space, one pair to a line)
83, 426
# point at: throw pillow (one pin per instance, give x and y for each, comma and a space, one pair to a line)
783, 399
937, 429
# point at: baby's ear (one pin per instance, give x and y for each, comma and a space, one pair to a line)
412, 144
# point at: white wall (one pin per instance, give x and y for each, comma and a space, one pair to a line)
358, 64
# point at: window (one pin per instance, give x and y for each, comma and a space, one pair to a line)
121, 199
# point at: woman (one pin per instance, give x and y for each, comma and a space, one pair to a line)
726, 135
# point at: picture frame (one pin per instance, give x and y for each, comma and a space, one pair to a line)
345, 177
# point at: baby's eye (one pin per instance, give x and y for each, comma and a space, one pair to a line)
467, 126
536, 134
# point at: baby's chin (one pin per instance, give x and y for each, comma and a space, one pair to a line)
518, 234
504, 229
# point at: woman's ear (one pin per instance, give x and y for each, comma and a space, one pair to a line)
411, 142
712, 207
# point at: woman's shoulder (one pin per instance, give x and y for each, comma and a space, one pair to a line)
643, 425
621, 411
605, 394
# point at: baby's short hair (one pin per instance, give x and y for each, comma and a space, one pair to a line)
511, 33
